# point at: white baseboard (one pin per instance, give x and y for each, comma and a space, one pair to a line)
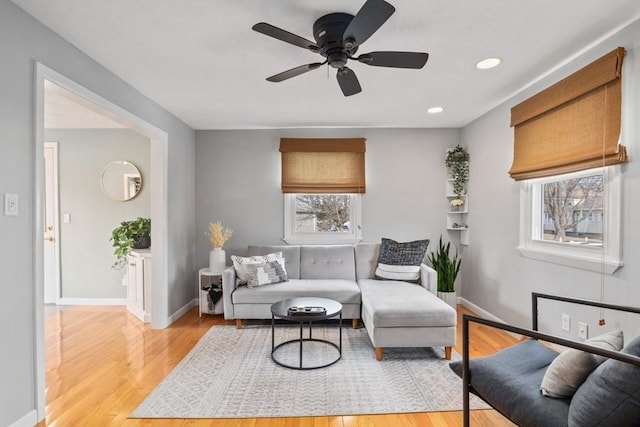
479, 311
484, 313
92, 301
29, 420
182, 311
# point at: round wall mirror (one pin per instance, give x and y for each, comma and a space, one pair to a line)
121, 180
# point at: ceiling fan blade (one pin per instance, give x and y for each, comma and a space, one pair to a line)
285, 36
294, 72
395, 59
348, 81
369, 18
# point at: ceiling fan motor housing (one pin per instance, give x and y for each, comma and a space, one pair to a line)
328, 32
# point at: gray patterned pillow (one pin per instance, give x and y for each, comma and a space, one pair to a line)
240, 264
401, 261
265, 274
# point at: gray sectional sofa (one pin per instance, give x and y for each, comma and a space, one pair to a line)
395, 314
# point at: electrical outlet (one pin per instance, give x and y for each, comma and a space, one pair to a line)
583, 330
566, 322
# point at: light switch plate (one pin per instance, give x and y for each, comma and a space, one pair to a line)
10, 204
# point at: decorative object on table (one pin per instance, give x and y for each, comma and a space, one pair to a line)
218, 235
457, 161
229, 362
133, 234
457, 204
447, 268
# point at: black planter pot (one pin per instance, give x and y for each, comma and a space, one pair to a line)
142, 242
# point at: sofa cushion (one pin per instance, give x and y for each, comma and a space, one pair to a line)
366, 259
510, 382
241, 264
327, 262
569, 370
290, 253
401, 261
265, 273
343, 291
610, 396
400, 304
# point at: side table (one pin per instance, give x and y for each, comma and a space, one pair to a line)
206, 280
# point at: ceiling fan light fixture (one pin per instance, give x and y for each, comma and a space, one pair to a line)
435, 110
488, 63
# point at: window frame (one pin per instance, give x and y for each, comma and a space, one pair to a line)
606, 259
300, 238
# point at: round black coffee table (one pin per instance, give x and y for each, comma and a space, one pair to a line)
305, 311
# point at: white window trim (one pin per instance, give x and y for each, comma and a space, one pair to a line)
296, 238
606, 259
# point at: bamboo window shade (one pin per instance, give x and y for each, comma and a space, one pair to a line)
572, 125
322, 165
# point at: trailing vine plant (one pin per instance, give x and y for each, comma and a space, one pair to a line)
457, 161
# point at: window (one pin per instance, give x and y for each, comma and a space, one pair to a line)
322, 218
573, 219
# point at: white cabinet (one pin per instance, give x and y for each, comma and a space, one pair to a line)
457, 215
139, 284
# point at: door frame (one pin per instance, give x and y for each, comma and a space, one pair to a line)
159, 210
56, 220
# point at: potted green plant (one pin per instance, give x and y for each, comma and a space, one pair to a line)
133, 234
447, 268
457, 161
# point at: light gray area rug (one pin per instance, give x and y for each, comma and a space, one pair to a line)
229, 374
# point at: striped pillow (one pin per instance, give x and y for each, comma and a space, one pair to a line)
401, 261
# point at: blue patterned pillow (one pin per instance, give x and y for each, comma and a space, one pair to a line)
401, 261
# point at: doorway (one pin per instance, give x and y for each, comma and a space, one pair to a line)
158, 188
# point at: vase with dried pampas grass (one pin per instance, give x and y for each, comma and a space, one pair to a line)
218, 235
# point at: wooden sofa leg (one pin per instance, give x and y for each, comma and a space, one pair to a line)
447, 353
354, 323
238, 323
378, 353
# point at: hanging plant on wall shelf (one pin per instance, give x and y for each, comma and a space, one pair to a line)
457, 161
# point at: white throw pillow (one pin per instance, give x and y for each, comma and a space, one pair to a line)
569, 370
240, 264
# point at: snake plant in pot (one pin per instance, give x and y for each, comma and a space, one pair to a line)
447, 268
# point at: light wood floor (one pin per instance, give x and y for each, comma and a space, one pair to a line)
102, 362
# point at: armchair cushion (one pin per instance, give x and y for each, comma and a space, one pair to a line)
512, 376
610, 396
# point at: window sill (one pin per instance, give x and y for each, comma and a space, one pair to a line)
562, 257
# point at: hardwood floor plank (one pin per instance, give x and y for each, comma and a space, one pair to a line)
101, 362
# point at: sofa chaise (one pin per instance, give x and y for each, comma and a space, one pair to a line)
394, 313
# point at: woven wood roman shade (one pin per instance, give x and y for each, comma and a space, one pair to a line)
322, 165
572, 125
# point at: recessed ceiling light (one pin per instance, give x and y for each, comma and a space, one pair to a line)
487, 63
435, 110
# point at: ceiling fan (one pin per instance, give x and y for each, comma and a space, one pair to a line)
338, 36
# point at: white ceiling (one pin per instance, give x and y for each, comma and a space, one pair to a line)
200, 59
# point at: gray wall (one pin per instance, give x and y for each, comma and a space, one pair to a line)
497, 278
86, 254
238, 183
23, 40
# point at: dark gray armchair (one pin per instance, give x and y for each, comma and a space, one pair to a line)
509, 380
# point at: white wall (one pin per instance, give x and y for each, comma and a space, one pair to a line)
496, 277
86, 254
238, 183
23, 40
